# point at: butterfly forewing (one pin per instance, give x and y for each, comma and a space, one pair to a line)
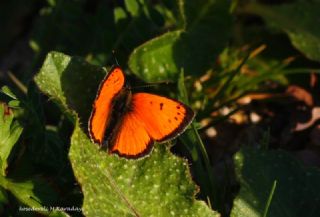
163, 118
102, 106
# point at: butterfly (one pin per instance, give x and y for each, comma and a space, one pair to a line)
129, 123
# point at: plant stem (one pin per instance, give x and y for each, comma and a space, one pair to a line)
266, 209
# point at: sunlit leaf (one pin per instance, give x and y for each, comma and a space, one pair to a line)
10, 131
132, 6
153, 61
6, 90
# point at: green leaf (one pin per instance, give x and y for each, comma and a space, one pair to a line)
153, 61
159, 184
10, 131
195, 48
6, 90
70, 82
119, 14
297, 190
32, 193
300, 20
14, 104
132, 6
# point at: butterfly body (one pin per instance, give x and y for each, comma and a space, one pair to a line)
119, 108
129, 123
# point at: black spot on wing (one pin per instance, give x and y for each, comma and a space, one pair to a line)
186, 119
161, 106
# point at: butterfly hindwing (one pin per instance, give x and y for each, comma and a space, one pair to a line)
132, 139
111, 85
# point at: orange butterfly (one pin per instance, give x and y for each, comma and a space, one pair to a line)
129, 123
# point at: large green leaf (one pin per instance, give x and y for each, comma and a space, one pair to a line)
296, 193
153, 61
300, 20
157, 185
195, 48
10, 131
61, 79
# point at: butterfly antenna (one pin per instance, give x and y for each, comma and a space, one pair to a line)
153, 84
114, 57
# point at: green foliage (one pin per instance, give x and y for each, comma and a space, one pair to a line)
61, 79
10, 131
296, 192
192, 141
133, 7
31, 192
12, 13
298, 19
3, 199
156, 185
193, 48
95, 32
153, 61
212, 52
